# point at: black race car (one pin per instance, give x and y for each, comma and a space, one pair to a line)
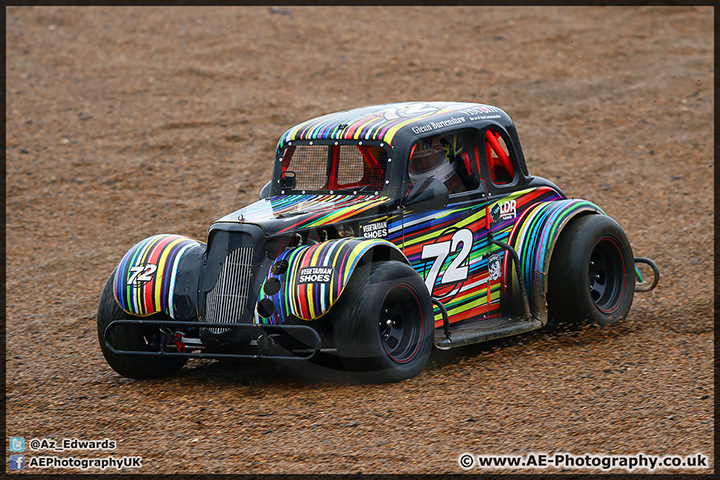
385, 230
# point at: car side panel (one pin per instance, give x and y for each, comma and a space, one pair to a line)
467, 281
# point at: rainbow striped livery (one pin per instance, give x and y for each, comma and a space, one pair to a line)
384, 231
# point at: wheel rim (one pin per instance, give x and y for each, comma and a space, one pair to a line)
606, 275
401, 323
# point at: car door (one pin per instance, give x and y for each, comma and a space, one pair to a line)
449, 247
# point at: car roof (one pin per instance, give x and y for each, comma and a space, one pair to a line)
396, 123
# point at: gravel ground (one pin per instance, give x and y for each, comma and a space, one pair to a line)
127, 122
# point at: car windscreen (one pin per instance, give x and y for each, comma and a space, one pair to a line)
330, 168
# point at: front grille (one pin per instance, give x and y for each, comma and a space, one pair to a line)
227, 300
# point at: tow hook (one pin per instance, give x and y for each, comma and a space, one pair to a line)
642, 285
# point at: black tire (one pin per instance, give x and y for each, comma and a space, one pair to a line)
132, 338
383, 323
592, 273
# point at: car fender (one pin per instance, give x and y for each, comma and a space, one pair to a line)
306, 281
160, 274
534, 237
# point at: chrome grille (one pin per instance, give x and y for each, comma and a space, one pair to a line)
228, 297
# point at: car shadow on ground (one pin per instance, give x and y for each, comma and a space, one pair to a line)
329, 371
263, 372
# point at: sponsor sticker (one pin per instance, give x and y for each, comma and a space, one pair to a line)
503, 211
508, 210
315, 275
494, 267
377, 229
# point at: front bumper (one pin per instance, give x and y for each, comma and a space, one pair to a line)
268, 341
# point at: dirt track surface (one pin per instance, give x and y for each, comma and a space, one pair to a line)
127, 122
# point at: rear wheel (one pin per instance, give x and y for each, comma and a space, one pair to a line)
383, 327
591, 272
130, 337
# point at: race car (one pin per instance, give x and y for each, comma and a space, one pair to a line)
385, 231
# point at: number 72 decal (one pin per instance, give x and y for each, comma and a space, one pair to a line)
458, 269
141, 273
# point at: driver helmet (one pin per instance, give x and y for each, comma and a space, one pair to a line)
429, 159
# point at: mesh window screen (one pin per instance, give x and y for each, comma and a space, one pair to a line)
329, 167
309, 162
350, 165
376, 166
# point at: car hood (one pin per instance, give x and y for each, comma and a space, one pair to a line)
285, 213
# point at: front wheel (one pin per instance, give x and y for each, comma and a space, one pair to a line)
131, 337
384, 323
592, 272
